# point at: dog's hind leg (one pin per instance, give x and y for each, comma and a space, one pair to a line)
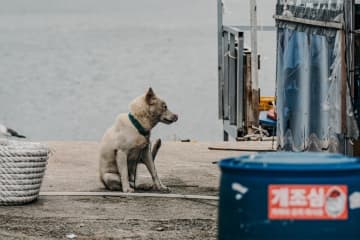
112, 181
155, 148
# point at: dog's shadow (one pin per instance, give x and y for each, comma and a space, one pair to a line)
143, 187
140, 188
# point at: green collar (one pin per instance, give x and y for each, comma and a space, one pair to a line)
138, 126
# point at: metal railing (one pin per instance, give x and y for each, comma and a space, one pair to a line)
231, 75
231, 84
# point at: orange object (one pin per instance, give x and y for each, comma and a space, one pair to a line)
266, 103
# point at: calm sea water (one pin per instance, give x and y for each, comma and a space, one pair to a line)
67, 68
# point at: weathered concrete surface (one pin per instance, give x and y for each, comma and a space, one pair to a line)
185, 167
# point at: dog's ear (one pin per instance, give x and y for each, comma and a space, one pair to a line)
150, 96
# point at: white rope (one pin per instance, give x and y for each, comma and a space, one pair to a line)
228, 54
20, 181
20, 186
17, 200
24, 171
21, 153
22, 168
30, 161
122, 194
21, 175
20, 164
23, 193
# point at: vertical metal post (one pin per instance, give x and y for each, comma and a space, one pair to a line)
343, 84
225, 76
248, 96
255, 94
349, 15
240, 81
232, 80
349, 74
220, 57
225, 136
254, 52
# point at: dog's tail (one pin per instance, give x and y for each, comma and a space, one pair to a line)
155, 148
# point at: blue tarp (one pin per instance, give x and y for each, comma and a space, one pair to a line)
264, 120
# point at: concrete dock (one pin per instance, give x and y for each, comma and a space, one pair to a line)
187, 168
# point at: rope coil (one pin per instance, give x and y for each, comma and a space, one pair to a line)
22, 169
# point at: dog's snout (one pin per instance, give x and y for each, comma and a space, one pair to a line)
175, 117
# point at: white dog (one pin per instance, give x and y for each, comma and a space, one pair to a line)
127, 143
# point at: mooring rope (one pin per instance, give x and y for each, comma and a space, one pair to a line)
22, 168
122, 194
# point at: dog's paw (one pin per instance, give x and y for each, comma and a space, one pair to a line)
162, 188
128, 190
165, 189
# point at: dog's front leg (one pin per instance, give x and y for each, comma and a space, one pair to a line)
121, 161
149, 163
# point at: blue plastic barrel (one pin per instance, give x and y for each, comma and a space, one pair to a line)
290, 196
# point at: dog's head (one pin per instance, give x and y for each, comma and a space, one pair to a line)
150, 109
158, 108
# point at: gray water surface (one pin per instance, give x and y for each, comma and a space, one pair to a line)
67, 68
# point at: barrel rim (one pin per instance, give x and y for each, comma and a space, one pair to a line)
331, 162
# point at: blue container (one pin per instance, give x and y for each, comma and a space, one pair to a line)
290, 196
